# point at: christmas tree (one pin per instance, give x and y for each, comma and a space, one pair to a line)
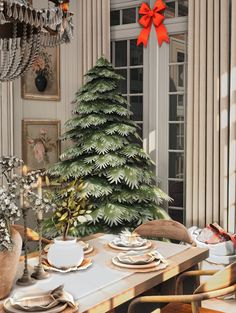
119, 184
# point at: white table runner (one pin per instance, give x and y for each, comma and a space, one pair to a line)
96, 277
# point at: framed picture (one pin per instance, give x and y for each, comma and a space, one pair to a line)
40, 143
42, 80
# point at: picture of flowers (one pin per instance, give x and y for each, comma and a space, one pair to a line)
40, 144
42, 81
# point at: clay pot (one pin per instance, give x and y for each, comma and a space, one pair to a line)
9, 261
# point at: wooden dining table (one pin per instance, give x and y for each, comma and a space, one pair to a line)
112, 293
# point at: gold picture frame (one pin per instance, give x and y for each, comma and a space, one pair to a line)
40, 143
44, 70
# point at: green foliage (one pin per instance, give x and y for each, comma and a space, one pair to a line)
119, 186
71, 207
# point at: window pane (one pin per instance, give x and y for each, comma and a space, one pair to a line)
136, 53
129, 16
176, 136
176, 165
176, 108
176, 192
177, 215
136, 106
136, 80
178, 45
176, 78
183, 8
115, 18
170, 9
121, 53
123, 82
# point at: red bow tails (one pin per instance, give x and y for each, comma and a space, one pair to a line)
156, 17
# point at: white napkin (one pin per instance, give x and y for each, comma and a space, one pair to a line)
42, 302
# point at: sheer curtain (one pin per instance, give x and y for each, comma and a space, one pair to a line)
94, 32
211, 114
6, 119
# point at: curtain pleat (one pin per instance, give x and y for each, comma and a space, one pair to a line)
211, 114
6, 119
94, 37
232, 126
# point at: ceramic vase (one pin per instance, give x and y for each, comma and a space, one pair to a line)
41, 82
65, 253
9, 261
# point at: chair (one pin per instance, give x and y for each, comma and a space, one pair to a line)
31, 234
169, 229
221, 283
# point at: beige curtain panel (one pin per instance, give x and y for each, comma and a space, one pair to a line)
94, 32
211, 114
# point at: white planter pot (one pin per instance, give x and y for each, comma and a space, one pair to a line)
65, 253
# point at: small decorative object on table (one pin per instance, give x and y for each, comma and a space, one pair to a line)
39, 272
25, 280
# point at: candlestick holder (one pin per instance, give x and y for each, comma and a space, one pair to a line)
26, 279
39, 272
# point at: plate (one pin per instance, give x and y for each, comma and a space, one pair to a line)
147, 245
83, 266
116, 261
10, 309
86, 246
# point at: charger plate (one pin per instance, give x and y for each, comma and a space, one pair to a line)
10, 309
147, 245
83, 266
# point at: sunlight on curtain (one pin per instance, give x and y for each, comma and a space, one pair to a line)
211, 116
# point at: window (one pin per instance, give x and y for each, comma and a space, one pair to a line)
128, 59
176, 124
155, 87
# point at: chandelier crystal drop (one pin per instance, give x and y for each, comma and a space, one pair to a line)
24, 29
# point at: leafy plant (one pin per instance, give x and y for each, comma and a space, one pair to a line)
70, 207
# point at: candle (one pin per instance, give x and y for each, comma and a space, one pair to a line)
39, 185
24, 170
39, 215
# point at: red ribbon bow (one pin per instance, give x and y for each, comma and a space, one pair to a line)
157, 18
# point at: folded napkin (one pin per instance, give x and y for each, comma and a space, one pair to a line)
43, 301
132, 257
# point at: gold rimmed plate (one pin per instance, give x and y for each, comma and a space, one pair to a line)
145, 246
10, 309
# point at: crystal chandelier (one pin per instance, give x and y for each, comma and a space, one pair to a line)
23, 29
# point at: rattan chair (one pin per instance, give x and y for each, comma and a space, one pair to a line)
221, 283
169, 229
31, 234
